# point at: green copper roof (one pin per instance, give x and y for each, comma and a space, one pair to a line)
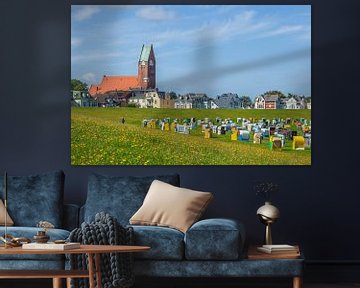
145, 53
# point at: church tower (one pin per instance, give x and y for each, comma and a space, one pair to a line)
147, 68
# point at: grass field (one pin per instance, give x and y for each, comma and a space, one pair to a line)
99, 138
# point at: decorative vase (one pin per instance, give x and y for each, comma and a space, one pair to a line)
268, 214
41, 237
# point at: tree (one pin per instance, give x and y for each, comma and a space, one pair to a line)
274, 92
299, 97
292, 95
77, 85
246, 101
172, 95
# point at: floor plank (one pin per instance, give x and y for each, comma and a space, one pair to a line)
46, 283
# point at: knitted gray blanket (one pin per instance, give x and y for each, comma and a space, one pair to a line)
116, 268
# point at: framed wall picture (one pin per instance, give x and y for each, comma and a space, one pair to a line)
190, 84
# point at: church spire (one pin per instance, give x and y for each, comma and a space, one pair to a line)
146, 68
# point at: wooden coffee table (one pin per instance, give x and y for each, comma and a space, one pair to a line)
93, 251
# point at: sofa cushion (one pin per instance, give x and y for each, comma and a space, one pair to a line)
39, 264
165, 243
9, 221
214, 239
222, 269
120, 196
170, 206
35, 198
29, 232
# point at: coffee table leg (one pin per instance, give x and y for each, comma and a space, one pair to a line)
57, 283
98, 270
68, 282
297, 282
91, 270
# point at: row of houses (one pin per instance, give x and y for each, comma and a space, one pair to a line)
276, 102
152, 98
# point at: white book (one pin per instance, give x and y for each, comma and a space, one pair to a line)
51, 246
278, 249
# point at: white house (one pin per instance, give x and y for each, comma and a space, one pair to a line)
213, 105
291, 103
259, 102
139, 101
183, 104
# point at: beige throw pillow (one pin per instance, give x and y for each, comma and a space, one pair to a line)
9, 221
170, 206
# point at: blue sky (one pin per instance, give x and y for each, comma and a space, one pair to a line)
243, 49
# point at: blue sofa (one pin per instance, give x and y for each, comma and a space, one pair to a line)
32, 199
210, 248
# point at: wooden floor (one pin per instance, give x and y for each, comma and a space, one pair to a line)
45, 283
338, 285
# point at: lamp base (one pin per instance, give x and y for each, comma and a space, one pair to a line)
268, 237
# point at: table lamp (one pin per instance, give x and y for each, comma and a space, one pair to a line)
268, 214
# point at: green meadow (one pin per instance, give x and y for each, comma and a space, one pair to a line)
99, 138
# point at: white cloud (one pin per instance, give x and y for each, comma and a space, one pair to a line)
214, 30
155, 13
89, 77
240, 24
287, 29
85, 12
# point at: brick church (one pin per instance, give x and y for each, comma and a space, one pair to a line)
145, 80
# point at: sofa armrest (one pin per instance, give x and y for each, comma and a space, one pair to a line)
71, 216
215, 239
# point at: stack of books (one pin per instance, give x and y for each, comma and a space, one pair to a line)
282, 251
51, 246
278, 249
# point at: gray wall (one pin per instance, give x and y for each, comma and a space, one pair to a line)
317, 203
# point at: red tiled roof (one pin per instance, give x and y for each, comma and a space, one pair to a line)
93, 88
113, 83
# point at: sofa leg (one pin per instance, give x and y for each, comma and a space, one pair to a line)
57, 283
68, 282
297, 282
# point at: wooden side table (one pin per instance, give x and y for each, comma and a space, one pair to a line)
254, 254
93, 251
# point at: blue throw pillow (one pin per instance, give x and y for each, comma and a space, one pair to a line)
35, 198
120, 196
